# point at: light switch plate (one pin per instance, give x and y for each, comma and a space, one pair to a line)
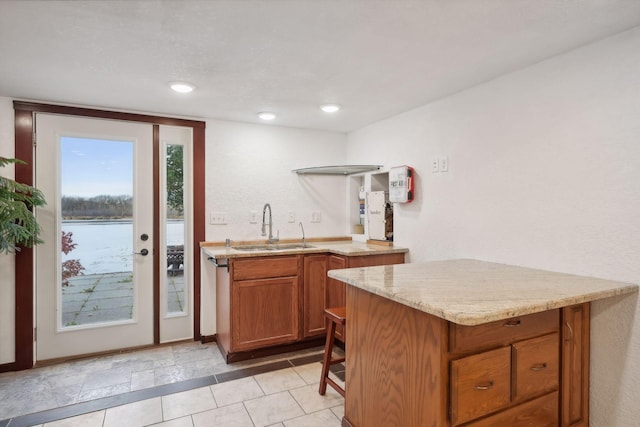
291, 216
315, 217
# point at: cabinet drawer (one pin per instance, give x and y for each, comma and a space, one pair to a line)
540, 412
264, 268
480, 384
535, 366
502, 332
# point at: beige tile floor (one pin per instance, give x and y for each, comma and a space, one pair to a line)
286, 397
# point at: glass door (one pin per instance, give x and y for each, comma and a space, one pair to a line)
94, 273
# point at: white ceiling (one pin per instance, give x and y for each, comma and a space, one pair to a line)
376, 58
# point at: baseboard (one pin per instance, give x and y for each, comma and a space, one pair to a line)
270, 351
8, 367
204, 339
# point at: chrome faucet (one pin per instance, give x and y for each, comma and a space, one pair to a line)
270, 239
303, 243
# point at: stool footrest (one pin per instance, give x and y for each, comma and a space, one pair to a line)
334, 361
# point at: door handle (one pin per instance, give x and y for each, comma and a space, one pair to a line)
143, 252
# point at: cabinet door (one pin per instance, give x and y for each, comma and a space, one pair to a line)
575, 365
314, 291
336, 290
265, 312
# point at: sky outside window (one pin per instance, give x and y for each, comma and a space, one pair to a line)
93, 167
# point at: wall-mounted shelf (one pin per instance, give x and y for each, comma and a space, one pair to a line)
337, 170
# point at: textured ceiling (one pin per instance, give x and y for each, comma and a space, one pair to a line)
376, 58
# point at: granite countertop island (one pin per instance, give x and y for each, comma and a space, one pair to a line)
468, 343
471, 292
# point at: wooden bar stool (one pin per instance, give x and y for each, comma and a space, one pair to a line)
335, 316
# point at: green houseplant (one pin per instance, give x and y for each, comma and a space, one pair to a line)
18, 225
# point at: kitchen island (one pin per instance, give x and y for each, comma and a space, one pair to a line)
468, 343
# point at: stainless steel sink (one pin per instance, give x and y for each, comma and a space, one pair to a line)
292, 246
272, 247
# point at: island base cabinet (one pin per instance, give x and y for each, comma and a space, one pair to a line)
407, 368
396, 369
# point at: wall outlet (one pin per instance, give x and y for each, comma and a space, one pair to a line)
316, 217
435, 165
253, 217
291, 216
217, 218
443, 163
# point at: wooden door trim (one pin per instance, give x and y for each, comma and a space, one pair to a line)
24, 259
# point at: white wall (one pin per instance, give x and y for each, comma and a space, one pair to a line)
7, 270
544, 172
249, 165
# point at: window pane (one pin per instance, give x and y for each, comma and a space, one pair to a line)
97, 231
175, 229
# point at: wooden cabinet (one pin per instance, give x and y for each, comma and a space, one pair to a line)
264, 312
525, 365
414, 369
314, 295
268, 301
574, 408
258, 303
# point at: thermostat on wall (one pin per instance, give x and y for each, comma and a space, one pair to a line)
401, 184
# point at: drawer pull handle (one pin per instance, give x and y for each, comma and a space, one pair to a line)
539, 367
512, 323
487, 386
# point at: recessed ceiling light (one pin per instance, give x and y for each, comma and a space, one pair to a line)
330, 108
265, 115
182, 87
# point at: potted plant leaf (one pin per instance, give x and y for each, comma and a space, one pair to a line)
18, 225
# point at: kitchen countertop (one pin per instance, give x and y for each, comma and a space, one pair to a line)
342, 247
471, 292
